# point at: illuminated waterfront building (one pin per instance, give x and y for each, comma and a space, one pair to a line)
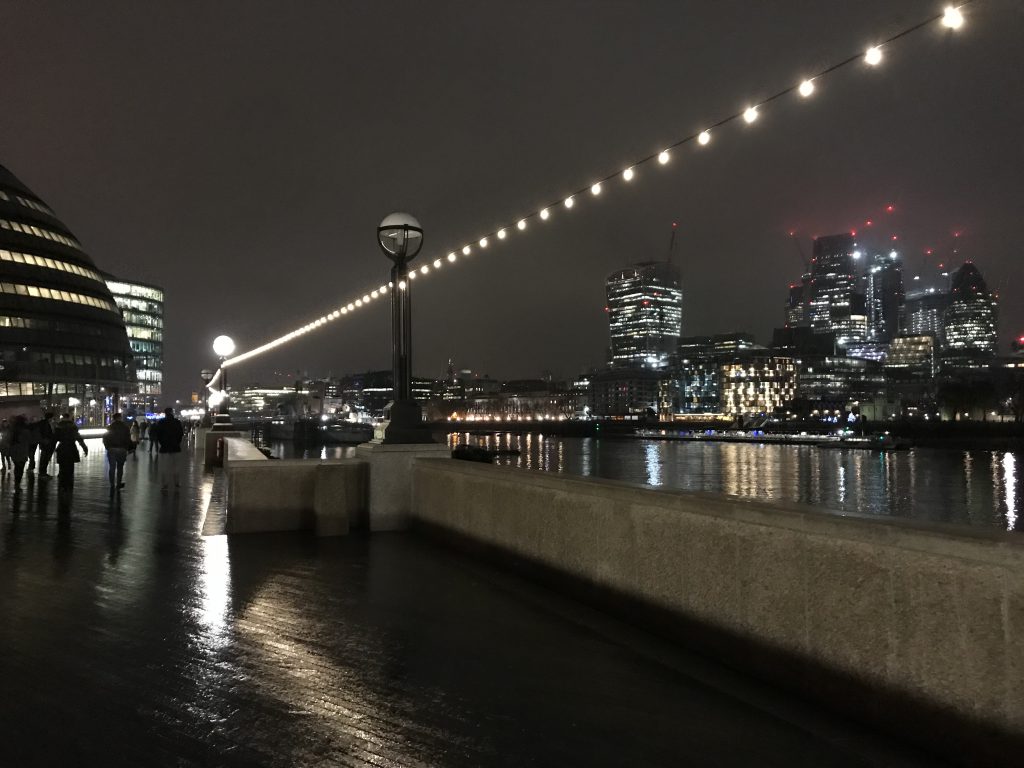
63, 343
797, 313
970, 320
645, 315
834, 306
757, 383
883, 297
924, 310
911, 355
631, 393
142, 307
835, 382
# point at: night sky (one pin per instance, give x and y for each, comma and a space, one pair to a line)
241, 154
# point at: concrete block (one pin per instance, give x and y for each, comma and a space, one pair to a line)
339, 497
391, 478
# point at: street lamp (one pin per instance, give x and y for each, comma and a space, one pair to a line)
400, 236
223, 347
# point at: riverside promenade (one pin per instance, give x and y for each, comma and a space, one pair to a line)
133, 633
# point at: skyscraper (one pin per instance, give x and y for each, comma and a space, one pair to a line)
645, 315
834, 305
970, 320
883, 297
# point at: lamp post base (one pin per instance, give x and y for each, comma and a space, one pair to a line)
403, 424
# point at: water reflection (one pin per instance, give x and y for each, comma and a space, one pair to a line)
941, 486
1010, 490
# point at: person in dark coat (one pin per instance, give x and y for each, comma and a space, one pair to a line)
66, 434
118, 441
21, 446
47, 444
168, 434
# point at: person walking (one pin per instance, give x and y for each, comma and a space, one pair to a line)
118, 441
33, 434
135, 435
47, 443
5, 447
66, 435
167, 434
21, 446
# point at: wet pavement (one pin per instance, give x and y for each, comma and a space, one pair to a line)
127, 637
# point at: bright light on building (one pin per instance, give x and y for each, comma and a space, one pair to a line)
806, 88
663, 157
873, 56
704, 138
952, 18
750, 115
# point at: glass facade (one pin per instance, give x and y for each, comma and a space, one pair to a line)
645, 315
142, 307
883, 297
63, 344
834, 306
970, 320
757, 384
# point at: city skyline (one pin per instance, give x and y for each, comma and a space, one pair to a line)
170, 177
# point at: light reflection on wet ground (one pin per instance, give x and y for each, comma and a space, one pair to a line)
130, 639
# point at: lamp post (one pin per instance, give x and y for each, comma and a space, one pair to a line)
401, 238
223, 347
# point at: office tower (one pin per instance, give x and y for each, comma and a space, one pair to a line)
883, 297
63, 343
142, 307
834, 305
645, 314
969, 319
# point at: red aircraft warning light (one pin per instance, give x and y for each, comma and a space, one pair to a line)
890, 208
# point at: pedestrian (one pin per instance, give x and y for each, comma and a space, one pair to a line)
66, 434
117, 440
167, 434
21, 444
153, 441
5, 447
33, 436
47, 443
135, 435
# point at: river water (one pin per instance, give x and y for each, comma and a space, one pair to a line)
975, 488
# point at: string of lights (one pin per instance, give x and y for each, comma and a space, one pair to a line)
951, 18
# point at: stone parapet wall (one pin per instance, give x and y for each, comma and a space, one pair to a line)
913, 627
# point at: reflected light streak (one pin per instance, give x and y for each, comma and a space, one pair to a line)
1010, 480
214, 580
652, 460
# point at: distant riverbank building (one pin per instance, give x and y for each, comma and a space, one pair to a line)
645, 315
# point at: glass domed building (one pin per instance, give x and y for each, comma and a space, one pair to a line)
63, 344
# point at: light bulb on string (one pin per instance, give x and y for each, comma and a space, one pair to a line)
704, 138
806, 88
451, 256
502, 234
628, 174
595, 189
483, 242
952, 17
437, 263
568, 202
873, 56
521, 225
545, 214
750, 114
663, 156
466, 250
